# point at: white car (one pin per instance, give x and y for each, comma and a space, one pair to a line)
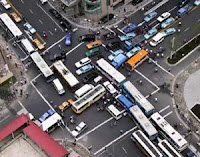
5, 4
110, 87
83, 62
80, 128
163, 16
29, 28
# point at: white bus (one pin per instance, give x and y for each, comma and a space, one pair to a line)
83, 90
88, 99
26, 44
144, 122
58, 86
10, 25
114, 112
140, 100
158, 38
42, 66
145, 144
109, 71
169, 132
167, 149
65, 73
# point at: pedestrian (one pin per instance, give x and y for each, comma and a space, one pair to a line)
179, 23
115, 123
156, 99
162, 55
59, 47
55, 29
156, 70
169, 70
16, 65
140, 81
179, 30
121, 131
157, 54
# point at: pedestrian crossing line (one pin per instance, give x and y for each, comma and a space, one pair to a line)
167, 114
164, 108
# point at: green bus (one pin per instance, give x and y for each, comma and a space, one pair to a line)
92, 52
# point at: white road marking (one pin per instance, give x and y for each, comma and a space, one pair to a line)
186, 29
164, 108
156, 25
172, 8
115, 140
121, 31
36, 77
146, 78
124, 150
4, 118
74, 48
198, 20
95, 128
22, 1
110, 30
31, 11
105, 47
40, 21
161, 67
153, 93
50, 17
167, 114
140, 24
152, 22
23, 59
50, 32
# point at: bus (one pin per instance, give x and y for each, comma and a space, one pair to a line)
83, 90
169, 132
88, 99
167, 149
140, 100
26, 44
58, 86
136, 60
42, 66
10, 25
145, 144
143, 122
124, 101
109, 71
114, 112
65, 73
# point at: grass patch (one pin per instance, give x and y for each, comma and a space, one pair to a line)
184, 50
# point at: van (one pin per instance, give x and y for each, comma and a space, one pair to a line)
114, 112
94, 44
58, 86
97, 79
158, 38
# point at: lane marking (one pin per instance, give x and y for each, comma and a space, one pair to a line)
4, 118
110, 30
140, 24
23, 59
167, 114
153, 22
198, 20
50, 32
186, 29
164, 109
152, 93
36, 77
95, 128
31, 11
124, 150
74, 48
22, 1
156, 25
40, 21
121, 31
172, 8
50, 17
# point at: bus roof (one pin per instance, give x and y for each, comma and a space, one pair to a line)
16, 32
137, 57
66, 74
41, 64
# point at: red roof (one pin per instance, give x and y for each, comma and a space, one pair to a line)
42, 139
13, 126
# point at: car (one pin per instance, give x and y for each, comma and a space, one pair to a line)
84, 69
128, 36
38, 44
50, 112
90, 77
44, 117
163, 16
29, 28
113, 45
70, 101
114, 54
83, 62
169, 31
5, 4
65, 24
79, 129
182, 3
87, 37
68, 39
55, 13
65, 105
94, 44
92, 52
167, 22
106, 18
110, 35
133, 51
197, 2
150, 33
110, 87
129, 28
150, 16
15, 17
57, 56
43, 1
190, 154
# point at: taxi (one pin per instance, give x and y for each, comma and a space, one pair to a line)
94, 44
64, 106
15, 17
39, 45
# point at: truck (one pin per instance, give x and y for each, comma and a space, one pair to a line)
119, 60
134, 42
124, 101
184, 10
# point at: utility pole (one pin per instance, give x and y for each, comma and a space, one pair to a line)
172, 48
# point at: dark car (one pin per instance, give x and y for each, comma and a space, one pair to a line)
110, 35
106, 18
113, 45
55, 13
87, 37
65, 24
182, 3
57, 56
190, 154
135, 2
90, 77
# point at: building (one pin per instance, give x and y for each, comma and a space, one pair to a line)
25, 138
